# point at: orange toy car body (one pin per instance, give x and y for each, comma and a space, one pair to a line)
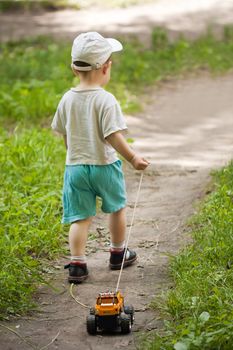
109, 304
110, 314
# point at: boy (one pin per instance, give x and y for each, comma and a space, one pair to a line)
91, 122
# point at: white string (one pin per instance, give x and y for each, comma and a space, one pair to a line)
130, 229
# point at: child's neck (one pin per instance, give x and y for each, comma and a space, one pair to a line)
93, 80
86, 85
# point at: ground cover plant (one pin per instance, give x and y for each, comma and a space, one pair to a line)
34, 75
199, 310
30, 230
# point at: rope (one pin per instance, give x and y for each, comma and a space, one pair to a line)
130, 229
77, 301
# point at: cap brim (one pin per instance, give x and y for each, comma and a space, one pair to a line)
115, 44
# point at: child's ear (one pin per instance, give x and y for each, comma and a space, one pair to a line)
74, 70
106, 66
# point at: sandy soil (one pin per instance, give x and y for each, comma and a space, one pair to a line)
185, 130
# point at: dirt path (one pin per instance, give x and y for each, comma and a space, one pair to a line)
179, 16
185, 131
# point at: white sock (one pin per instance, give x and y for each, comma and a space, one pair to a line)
117, 246
80, 258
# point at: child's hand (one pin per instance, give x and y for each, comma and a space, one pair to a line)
139, 163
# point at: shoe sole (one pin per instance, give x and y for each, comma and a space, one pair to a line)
74, 279
126, 263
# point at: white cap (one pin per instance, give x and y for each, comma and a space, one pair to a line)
92, 48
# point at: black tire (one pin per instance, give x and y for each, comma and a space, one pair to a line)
129, 310
125, 323
91, 324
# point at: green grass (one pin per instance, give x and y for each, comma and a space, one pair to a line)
30, 212
34, 75
199, 309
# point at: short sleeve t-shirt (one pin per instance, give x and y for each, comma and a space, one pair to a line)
87, 117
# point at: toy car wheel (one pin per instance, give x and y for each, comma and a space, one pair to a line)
125, 321
91, 324
129, 310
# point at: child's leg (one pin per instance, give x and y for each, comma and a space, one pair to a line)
78, 237
117, 227
78, 233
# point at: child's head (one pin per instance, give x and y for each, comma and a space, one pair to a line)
91, 57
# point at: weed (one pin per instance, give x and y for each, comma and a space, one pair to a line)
200, 307
30, 209
35, 73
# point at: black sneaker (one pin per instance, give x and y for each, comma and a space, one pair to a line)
78, 272
117, 257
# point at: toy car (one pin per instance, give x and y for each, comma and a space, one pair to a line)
110, 314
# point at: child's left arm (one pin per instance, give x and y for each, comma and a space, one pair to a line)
118, 142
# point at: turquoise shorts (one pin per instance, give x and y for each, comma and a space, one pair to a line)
83, 183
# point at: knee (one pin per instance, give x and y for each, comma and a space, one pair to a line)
119, 212
86, 221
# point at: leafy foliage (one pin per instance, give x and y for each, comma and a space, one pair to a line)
31, 171
33, 79
36, 73
200, 307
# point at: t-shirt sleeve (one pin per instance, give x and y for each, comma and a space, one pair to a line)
113, 120
59, 121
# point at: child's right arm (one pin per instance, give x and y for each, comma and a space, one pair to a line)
118, 142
